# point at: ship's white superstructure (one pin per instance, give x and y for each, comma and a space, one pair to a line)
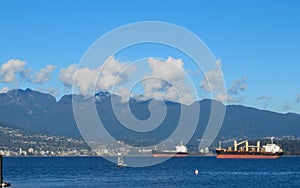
181, 148
272, 148
180, 151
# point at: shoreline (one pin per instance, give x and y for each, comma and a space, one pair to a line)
86, 156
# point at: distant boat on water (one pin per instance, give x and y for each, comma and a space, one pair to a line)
269, 151
120, 162
181, 151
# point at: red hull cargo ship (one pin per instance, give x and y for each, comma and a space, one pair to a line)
269, 151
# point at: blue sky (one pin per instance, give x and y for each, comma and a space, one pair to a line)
257, 41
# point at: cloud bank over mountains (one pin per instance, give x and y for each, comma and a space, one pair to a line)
167, 79
88, 81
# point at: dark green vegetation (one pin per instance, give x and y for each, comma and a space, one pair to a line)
38, 112
12, 139
41, 113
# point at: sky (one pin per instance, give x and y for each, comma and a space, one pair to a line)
256, 45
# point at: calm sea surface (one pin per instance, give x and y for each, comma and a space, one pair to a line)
176, 172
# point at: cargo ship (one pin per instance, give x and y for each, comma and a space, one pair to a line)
269, 151
181, 151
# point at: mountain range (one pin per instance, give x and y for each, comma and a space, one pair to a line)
40, 112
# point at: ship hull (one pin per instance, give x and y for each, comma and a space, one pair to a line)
227, 156
248, 155
169, 154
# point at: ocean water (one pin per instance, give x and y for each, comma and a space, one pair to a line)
176, 172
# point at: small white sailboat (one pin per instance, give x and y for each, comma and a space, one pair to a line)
120, 161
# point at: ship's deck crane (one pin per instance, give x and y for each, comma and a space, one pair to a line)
236, 144
247, 146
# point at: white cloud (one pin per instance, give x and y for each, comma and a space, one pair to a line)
154, 88
113, 73
169, 70
42, 76
87, 80
53, 91
214, 83
172, 94
151, 84
124, 93
9, 70
4, 90
225, 97
237, 86
167, 81
66, 76
213, 80
14, 67
50, 90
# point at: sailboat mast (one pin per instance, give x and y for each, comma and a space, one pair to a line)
1, 177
